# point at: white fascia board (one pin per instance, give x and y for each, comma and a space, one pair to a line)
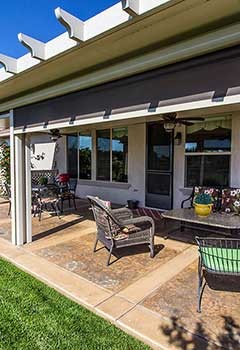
147, 5
74, 25
106, 20
36, 47
26, 62
132, 7
59, 44
4, 75
9, 63
15, 65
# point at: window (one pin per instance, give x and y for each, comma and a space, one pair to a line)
208, 153
103, 155
85, 156
120, 155
111, 155
72, 155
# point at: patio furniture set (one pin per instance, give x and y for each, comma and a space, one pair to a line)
217, 256
51, 196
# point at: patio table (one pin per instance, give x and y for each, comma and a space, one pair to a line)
216, 222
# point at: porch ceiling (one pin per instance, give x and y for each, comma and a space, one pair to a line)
140, 35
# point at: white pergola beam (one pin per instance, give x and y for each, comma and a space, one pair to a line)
105, 21
74, 25
9, 63
132, 7
36, 47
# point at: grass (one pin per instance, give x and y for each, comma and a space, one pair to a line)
36, 317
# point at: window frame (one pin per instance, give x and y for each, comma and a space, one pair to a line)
93, 133
214, 153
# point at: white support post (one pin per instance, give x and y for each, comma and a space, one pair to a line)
13, 185
28, 189
21, 189
20, 208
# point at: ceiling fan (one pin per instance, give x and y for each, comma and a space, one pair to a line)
55, 134
170, 121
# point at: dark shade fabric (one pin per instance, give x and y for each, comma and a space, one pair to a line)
211, 76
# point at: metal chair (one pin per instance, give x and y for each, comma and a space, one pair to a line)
68, 193
48, 198
217, 257
117, 228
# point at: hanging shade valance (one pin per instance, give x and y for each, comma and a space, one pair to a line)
211, 124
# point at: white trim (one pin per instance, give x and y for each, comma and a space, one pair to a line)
207, 153
210, 42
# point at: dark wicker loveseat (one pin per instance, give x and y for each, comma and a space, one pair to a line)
225, 199
116, 228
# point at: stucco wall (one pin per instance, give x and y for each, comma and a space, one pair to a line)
51, 155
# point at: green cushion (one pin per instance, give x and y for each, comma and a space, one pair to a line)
221, 259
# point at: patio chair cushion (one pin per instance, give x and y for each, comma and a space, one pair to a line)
124, 233
224, 260
213, 192
104, 203
230, 200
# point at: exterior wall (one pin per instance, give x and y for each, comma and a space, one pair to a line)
135, 189
52, 155
179, 193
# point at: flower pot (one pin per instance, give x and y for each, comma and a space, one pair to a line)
132, 204
203, 210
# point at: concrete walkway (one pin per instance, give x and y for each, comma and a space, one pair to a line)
123, 308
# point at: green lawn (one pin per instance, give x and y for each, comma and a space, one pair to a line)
36, 317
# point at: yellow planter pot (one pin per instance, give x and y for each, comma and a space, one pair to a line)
203, 210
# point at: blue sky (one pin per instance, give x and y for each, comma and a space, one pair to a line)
37, 19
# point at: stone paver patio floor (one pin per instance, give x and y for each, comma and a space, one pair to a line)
153, 299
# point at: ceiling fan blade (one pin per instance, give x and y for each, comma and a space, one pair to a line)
185, 122
170, 116
193, 118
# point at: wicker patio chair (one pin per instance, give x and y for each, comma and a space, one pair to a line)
217, 257
116, 228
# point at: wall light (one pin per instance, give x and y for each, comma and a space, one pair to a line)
178, 139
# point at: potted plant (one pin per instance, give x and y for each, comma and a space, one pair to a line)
43, 181
203, 204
